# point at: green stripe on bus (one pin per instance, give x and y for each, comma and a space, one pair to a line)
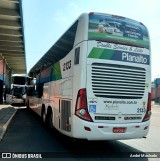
93, 35
107, 54
101, 53
96, 53
56, 75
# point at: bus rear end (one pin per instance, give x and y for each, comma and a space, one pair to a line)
18, 88
116, 103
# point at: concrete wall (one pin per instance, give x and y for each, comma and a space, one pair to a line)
2, 68
1, 79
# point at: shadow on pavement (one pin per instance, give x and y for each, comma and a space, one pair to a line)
92, 149
27, 133
18, 104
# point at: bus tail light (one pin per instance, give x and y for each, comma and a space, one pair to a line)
87, 128
148, 112
81, 109
146, 128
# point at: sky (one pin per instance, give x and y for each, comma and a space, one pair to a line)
46, 20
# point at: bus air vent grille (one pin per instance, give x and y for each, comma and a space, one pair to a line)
118, 81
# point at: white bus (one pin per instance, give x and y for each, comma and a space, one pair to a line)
94, 84
18, 88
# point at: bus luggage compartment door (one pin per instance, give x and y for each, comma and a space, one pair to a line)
65, 115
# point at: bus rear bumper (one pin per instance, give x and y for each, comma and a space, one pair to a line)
104, 131
17, 100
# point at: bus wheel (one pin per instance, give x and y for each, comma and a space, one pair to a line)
50, 120
43, 116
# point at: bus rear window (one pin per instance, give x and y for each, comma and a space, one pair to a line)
117, 30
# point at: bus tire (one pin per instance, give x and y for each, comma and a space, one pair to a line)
43, 115
49, 117
50, 122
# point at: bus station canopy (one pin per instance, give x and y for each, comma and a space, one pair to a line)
12, 35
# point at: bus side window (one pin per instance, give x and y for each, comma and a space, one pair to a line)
76, 57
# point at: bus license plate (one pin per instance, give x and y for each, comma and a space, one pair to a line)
119, 130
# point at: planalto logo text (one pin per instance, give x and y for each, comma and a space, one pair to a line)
133, 58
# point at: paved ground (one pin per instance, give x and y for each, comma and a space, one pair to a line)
26, 133
6, 114
152, 143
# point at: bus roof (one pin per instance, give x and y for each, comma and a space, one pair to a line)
64, 44
59, 50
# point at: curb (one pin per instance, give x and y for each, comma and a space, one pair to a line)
8, 117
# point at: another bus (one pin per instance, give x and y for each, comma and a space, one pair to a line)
94, 83
18, 88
